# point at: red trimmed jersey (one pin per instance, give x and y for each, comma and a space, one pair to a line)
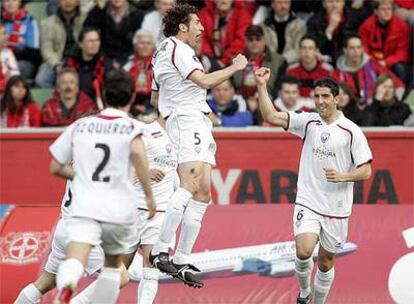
99, 147
173, 63
340, 145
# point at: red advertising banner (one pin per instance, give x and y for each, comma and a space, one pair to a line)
252, 167
240, 250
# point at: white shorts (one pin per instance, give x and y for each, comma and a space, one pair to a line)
57, 253
332, 232
148, 230
192, 133
114, 238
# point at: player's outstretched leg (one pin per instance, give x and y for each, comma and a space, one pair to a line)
324, 275
191, 226
305, 245
159, 255
148, 285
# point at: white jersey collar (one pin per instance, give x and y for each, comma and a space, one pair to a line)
112, 112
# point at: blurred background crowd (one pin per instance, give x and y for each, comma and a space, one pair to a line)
54, 56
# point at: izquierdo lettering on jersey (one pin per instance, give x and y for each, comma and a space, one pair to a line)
104, 127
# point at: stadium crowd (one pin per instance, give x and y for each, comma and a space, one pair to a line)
366, 45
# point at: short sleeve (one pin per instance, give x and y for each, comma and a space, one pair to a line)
298, 122
61, 149
185, 60
154, 85
361, 151
138, 130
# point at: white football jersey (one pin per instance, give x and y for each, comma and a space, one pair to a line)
100, 149
161, 154
340, 145
173, 63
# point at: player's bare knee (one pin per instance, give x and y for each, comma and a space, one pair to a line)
326, 261
302, 252
202, 196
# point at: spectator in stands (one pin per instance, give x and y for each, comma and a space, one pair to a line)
8, 62
331, 25
258, 55
85, 6
386, 38
117, 22
283, 30
91, 64
60, 34
405, 10
17, 106
139, 67
23, 36
289, 96
229, 109
153, 20
386, 109
310, 67
357, 69
348, 103
68, 103
253, 107
225, 22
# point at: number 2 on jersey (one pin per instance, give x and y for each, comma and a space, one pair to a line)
101, 166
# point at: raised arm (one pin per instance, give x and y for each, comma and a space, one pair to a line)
269, 113
210, 80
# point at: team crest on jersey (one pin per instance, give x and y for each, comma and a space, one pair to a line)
325, 137
169, 148
21, 248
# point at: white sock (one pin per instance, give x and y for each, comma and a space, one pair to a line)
106, 290
148, 286
190, 228
323, 283
172, 219
69, 274
84, 297
29, 295
303, 270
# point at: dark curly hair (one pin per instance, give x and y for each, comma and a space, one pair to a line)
179, 14
328, 82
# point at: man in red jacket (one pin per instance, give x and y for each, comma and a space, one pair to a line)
68, 103
224, 22
386, 38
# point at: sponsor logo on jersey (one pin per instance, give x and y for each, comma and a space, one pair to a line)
322, 152
21, 248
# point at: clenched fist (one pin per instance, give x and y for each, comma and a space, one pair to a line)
240, 62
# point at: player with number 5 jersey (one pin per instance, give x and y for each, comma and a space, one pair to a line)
179, 91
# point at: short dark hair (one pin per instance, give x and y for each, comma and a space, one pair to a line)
349, 37
377, 3
118, 89
179, 14
254, 31
309, 37
288, 79
327, 82
66, 70
87, 30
